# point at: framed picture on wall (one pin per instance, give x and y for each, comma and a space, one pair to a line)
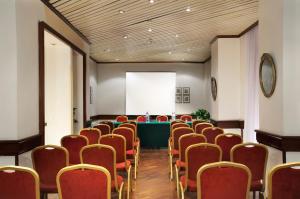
178, 90
179, 99
186, 99
186, 90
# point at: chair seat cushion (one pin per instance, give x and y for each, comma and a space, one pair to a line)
123, 165
256, 185
131, 152
48, 188
175, 153
191, 185
119, 181
180, 164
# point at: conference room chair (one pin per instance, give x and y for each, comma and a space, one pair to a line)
174, 146
186, 118
195, 122
104, 156
175, 122
200, 126
162, 118
196, 156
104, 128
211, 133
92, 134
284, 181
131, 153
118, 142
47, 161
227, 142
255, 157
74, 143
141, 118
223, 180
84, 181
109, 123
178, 125
121, 118
19, 183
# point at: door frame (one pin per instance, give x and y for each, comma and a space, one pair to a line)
41, 35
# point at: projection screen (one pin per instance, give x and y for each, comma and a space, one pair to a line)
152, 92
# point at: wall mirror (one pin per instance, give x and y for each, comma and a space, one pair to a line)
267, 75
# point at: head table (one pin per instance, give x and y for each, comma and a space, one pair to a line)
153, 134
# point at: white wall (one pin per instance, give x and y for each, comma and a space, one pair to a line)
111, 85
93, 81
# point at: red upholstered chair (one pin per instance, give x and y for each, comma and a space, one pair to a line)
122, 118
186, 118
226, 142
47, 160
195, 122
255, 157
196, 156
104, 156
131, 153
141, 118
162, 118
104, 128
223, 180
109, 123
211, 133
84, 181
19, 183
118, 142
284, 181
199, 127
74, 143
92, 134
178, 125
174, 146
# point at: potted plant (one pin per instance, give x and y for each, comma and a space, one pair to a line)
201, 114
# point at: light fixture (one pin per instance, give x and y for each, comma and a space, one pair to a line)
176, 35
107, 50
151, 1
170, 52
121, 11
125, 37
149, 29
188, 9
117, 59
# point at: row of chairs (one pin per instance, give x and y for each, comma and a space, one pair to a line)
159, 118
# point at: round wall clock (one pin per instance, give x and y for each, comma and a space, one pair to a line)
267, 75
214, 89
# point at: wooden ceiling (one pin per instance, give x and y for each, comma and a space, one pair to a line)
119, 29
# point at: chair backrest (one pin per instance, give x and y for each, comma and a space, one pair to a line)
141, 118
223, 180
109, 123
118, 142
226, 142
178, 125
104, 128
84, 181
92, 134
211, 133
187, 140
101, 155
19, 182
254, 156
47, 161
176, 133
195, 122
198, 155
131, 126
176, 121
186, 118
122, 118
162, 118
284, 181
128, 134
200, 126
74, 143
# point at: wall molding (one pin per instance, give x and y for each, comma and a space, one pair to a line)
155, 62
279, 142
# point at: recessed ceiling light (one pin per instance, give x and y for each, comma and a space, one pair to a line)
176, 35
125, 37
121, 11
182, 59
117, 59
149, 29
170, 52
151, 1
188, 9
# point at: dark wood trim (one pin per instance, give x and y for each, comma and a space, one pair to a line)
235, 36
282, 143
230, 124
93, 59
130, 117
45, 27
207, 59
64, 19
155, 62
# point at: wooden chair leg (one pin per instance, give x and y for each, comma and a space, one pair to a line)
254, 194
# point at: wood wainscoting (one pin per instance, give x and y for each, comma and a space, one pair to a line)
282, 143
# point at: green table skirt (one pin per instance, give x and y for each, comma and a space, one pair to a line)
153, 135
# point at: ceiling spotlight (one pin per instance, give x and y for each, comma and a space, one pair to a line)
121, 11
149, 29
176, 36
125, 37
117, 59
170, 52
151, 1
188, 9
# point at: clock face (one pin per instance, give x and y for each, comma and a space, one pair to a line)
214, 89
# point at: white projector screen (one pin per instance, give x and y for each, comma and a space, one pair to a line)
152, 92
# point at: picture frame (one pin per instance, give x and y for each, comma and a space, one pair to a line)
186, 99
214, 88
178, 90
178, 99
267, 75
186, 90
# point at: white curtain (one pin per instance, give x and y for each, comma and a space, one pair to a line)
251, 64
